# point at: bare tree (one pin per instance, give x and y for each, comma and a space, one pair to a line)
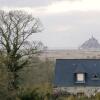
15, 28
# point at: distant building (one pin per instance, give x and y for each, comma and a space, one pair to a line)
77, 76
91, 44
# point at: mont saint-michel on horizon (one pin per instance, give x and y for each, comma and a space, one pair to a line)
88, 49
91, 44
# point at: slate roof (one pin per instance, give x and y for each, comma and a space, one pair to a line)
66, 68
80, 69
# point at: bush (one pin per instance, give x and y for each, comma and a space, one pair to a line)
97, 96
71, 98
83, 98
31, 95
39, 92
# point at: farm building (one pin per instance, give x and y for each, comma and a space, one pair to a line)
77, 76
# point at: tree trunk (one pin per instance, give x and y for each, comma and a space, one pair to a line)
12, 86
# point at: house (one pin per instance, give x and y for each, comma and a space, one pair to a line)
77, 76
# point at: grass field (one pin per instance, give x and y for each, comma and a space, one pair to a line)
70, 54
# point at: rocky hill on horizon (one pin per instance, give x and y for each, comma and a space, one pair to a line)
91, 44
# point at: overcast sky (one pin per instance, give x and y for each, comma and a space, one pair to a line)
67, 23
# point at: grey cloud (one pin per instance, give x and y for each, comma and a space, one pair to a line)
27, 3
79, 27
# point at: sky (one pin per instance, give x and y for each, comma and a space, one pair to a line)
67, 23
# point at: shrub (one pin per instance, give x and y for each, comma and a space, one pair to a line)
31, 95
97, 96
71, 98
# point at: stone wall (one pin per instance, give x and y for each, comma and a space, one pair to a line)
80, 89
